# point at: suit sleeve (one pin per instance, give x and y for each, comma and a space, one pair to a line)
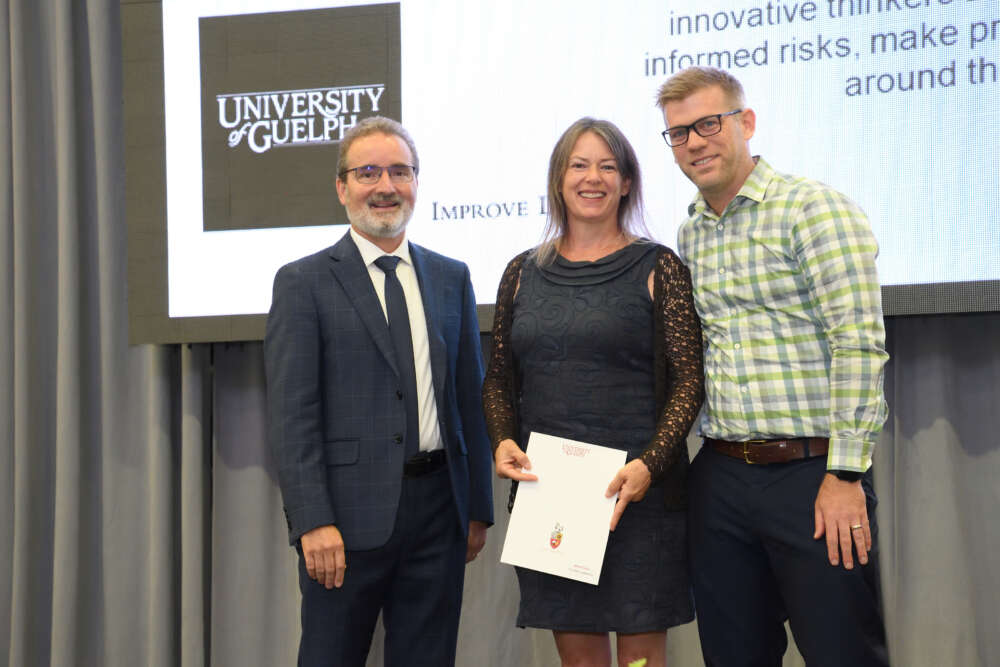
292, 358
469, 388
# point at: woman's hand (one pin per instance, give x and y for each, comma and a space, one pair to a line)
631, 484
511, 462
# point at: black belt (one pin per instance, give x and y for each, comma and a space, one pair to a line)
424, 463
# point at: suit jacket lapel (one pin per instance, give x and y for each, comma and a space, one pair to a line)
430, 286
352, 274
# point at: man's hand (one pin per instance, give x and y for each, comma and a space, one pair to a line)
477, 540
511, 462
323, 549
631, 484
841, 515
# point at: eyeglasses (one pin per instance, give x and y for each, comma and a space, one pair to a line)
370, 174
705, 127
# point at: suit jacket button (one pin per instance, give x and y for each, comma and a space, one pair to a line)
399, 394
397, 438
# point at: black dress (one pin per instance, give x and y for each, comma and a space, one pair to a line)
581, 348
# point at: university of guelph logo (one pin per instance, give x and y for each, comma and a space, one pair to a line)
278, 91
295, 117
556, 538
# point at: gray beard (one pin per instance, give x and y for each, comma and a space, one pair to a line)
381, 227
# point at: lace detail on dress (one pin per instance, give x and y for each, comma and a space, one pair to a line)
679, 370
498, 385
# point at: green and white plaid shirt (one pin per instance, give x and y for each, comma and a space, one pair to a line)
790, 305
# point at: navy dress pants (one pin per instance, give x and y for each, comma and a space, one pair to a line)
755, 564
415, 580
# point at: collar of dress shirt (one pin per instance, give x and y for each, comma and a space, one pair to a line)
754, 187
370, 252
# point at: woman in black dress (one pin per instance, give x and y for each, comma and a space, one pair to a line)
596, 339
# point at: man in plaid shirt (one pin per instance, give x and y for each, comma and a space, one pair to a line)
782, 523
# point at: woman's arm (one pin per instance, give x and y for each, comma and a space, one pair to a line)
678, 362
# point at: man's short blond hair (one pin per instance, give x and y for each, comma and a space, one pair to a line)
692, 79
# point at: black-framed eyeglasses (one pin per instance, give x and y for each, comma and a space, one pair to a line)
705, 127
370, 174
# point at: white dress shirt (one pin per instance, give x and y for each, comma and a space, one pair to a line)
430, 432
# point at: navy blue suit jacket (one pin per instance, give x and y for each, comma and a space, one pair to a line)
336, 422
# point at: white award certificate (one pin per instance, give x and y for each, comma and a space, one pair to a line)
559, 524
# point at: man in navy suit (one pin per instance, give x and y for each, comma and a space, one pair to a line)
374, 375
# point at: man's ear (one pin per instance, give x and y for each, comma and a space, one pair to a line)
748, 121
341, 191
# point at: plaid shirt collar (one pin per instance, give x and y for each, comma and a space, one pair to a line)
753, 189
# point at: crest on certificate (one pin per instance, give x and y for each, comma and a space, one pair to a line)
556, 538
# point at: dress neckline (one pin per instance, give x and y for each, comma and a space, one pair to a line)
566, 272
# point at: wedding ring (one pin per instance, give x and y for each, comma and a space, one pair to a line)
857, 527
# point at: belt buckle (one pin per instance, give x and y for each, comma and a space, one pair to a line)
746, 449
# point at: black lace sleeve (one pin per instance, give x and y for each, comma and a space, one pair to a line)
678, 363
499, 383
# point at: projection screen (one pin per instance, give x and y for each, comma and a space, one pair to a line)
234, 110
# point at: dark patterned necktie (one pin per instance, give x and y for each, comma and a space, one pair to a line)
402, 341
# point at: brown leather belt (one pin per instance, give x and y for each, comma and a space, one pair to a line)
771, 451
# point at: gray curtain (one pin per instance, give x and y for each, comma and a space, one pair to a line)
141, 523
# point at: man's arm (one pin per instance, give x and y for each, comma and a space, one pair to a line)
837, 251
292, 356
468, 381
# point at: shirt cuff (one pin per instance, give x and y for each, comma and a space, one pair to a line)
849, 454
